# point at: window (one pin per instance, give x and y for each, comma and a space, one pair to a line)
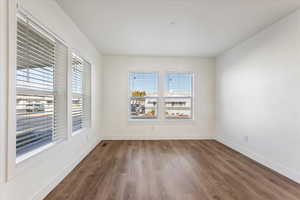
178, 95
40, 87
81, 93
143, 97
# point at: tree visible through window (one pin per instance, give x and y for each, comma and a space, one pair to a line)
143, 95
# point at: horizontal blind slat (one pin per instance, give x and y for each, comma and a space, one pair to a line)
80, 104
41, 87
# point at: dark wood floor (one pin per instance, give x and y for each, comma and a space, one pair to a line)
172, 170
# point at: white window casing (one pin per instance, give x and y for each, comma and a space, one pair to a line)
172, 98
143, 96
178, 96
41, 87
81, 93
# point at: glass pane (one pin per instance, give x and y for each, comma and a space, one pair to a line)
35, 77
77, 90
77, 74
34, 122
143, 108
178, 84
143, 84
35, 83
178, 108
77, 113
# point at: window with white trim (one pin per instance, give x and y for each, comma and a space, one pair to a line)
81, 93
178, 96
41, 74
143, 95
145, 101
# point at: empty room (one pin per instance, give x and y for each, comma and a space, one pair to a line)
149, 100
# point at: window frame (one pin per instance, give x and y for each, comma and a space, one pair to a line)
192, 97
38, 81
129, 97
161, 109
70, 94
3, 88
16, 165
48, 33
81, 130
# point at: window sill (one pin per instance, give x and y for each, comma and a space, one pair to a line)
178, 119
80, 131
153, 122
143, 120
31, 154
161, 120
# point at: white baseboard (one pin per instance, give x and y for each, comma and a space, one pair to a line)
128, 137
48, 188
278, 167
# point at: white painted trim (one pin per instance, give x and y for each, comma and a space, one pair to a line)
37, 22
278, 167
40, 195
192, 97
11, 116
129, 97
12, 168
128, 137
69, 94
161, 98
93, 100
3, 89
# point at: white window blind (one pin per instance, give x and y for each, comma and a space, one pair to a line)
40, 86
81, 93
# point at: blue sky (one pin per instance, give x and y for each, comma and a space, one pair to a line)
176, 82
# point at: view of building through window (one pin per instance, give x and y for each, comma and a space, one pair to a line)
178, 95
143, 95
35, 88
144, 98
40, 87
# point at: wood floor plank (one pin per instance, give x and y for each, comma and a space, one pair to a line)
172, 170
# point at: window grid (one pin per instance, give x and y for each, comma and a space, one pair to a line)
178, 99
81, 93
145, 103
77, 93
40, 87
143, 95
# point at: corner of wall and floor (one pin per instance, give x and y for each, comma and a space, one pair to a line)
257, 105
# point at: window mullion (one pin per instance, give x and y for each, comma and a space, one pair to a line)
161, 109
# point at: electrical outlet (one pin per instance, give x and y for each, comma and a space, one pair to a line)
246, 138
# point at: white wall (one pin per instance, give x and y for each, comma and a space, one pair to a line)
38, 175
258, 84
116, 124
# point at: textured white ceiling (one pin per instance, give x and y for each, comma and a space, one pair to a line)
173, 27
